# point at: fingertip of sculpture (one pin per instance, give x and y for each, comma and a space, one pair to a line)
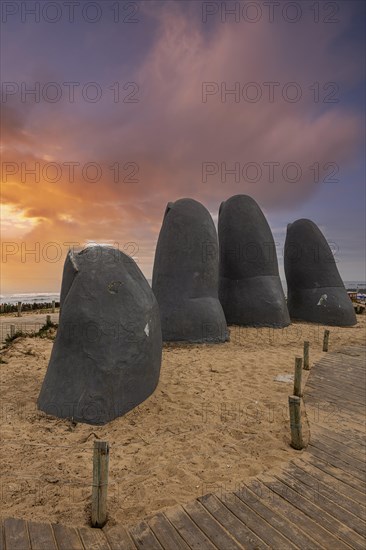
316, 292
250, 289
185, 275
104, 360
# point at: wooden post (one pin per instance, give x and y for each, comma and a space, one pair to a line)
298, 376
12, 330
306, 355
19, 309
48, 320
295, 422
53, 306
326, 340
2, 308
100, 483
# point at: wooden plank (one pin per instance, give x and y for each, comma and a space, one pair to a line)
330, 492
166, 534
250, 518
67, 538
236, 528
322, 435
334, 367
41, 536
336, 472
352, 443
343, 361
322, 537
93, 539
144, 538
338, 392
354, 433
330, 413
335, 392
343, 523
334, 461
334, 450
336, 372
208, 525
352, 388
16, 534
188, 529
340, 406
118, 538
309, 509
2, 541
278, 521
331, 481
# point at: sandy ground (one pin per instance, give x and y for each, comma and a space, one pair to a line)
217, 418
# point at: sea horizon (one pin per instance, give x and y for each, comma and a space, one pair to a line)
42, 297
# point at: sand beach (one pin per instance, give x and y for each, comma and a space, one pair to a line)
218, 417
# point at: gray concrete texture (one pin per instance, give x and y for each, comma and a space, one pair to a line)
316, 292
107, 354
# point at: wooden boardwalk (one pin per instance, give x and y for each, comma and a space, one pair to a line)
316, 501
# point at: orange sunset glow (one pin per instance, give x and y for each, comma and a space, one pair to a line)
179, 105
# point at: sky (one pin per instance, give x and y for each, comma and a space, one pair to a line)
112, 109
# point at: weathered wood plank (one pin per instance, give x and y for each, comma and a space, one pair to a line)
351, 442
309, 509
2, 541
334, 461
345, 401
322, 436
16, 534
278, 521
67, 538
344, 394
93, 539
322, 537
335, 386
354, 433
344, 509
265, 531
337, 373
166, 534
208, 525
331, 494
334, 389
41, 536
330, 413
143, 537
193, 536
331, 481
118, 538
334, 450
343, 523
336, 472
237, 528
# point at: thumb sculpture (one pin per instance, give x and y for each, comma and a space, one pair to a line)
185, 275
107, 354
316, 292
250, 288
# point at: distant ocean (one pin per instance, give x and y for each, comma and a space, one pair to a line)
30, 298
41, 297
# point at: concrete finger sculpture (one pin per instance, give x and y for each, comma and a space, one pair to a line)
316, 292
250, 288
107, 354
185, 275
